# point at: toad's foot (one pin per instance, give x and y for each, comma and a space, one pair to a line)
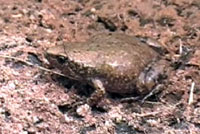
155, 90
98, 94
142, 99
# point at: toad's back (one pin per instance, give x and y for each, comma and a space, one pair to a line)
122, 54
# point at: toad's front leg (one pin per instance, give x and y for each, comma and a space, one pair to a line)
98, 94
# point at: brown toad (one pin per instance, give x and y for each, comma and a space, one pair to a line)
113, 62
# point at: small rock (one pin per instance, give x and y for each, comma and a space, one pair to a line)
83, 110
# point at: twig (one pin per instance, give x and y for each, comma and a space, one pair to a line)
191, 97
30, 64
147, 114
180, 47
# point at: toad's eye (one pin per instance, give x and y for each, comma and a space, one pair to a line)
61, 59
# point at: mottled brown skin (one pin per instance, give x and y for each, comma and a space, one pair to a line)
120, 62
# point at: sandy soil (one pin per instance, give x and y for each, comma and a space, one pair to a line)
34, 102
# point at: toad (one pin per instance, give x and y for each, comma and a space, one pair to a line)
112, 62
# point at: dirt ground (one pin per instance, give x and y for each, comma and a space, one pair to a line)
32, 101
